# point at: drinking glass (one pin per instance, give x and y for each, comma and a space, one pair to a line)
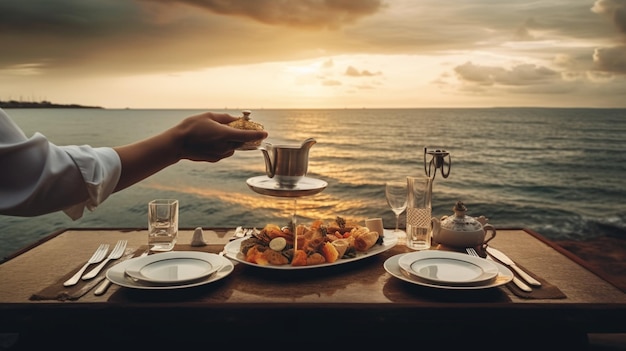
396, 193
162, 224
418, 213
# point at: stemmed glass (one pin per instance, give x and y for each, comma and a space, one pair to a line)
396, 193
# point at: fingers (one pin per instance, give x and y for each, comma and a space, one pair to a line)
207, 137
212, 156
241, 135
222, 118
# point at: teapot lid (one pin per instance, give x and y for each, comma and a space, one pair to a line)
460, 222
246, 114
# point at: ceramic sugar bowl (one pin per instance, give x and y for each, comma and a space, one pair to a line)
461, 230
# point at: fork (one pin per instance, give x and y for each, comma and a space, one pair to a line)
117, 252
520, 284
104, 286
97, 256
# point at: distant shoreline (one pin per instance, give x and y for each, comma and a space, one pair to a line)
41, 104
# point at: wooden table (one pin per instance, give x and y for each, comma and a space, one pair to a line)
346, 305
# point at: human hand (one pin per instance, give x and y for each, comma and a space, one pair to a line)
203, 137
207, 137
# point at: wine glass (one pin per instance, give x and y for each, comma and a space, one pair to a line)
396, 193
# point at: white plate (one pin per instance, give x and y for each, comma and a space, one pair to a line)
392, 267
268, 186
389, 240
176, 270
449, 268
117, 273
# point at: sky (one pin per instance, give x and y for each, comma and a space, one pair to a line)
247, 54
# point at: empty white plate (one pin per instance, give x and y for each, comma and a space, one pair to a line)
172, 267
449, 268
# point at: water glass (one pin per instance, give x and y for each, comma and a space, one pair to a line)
418, 213
396, 194
162, 224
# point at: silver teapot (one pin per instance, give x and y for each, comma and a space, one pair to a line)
287, 163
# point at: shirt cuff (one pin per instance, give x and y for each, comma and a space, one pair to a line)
101, 169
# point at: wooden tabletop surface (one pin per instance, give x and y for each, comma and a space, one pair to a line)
362, 290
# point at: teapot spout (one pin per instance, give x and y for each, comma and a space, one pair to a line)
308, 143
270, 167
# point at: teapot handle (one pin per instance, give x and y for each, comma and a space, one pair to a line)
270, 169
436, 225
492, 229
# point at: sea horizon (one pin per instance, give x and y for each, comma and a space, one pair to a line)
48, 104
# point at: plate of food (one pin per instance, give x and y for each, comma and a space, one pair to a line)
318, 245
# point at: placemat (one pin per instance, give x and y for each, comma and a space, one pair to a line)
547, 290
57, 291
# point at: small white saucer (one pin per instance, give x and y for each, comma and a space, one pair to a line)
268, 186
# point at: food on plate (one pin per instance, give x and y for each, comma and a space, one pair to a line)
330, 253
317, 243
278, 243
365, 239
341, 245
244, 122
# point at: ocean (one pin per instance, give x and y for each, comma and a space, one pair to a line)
558, 171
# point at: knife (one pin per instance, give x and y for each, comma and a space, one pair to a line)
520, 284
507, 261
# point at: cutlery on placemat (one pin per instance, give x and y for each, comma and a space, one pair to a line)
97, 256
497, 254
520, 284
116, 253
104, 286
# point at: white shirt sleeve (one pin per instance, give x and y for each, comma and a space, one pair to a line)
39, 177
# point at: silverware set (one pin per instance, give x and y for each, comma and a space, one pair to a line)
98, 257
508, 262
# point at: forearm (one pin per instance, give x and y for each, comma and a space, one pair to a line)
204, 137
142, 159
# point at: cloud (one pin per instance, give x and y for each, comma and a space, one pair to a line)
614, 9
103, 37
522, 74
331, 82
300, 13
353, 72
610, 59
80, 42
